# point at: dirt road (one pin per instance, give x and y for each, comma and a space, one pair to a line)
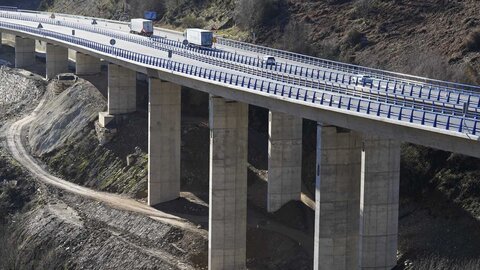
16, 147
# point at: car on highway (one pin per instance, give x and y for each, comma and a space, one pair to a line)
269, 60
364, 80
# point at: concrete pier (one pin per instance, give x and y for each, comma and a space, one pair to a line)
122, 90
56, 61
86, 64
337, 199
122, 93
164, 141
284, 159
24, 52
379, 198
228, 184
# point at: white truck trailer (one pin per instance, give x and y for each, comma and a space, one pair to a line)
198, 37
141, 27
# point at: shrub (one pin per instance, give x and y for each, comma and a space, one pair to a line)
137, 7
296, 38
433, 65
191, 21
328, 49
171, 5
472, 42
366, 8
252, 13
354, 37
337, 2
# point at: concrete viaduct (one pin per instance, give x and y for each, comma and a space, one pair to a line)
358, 156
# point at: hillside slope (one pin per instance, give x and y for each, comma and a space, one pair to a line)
438, 39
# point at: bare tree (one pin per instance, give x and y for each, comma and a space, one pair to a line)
252, 13
296, 38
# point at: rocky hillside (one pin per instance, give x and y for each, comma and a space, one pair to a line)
439, 39
67, 141
45, 228
432, 38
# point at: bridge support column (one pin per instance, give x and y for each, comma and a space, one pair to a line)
57, 60
122, 93
379, 200
86, 64
284, 159
228, 184
164, 141
337, 199
24, 52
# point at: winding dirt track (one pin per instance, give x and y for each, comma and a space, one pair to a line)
16, 147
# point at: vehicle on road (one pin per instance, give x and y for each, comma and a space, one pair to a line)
269, 60
365, 80
141, 27
195, 37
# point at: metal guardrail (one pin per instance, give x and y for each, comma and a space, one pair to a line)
451, 97
371, 94
349, 68
323, 99
8, 8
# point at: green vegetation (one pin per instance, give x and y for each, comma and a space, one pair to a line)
457, 177
84, 162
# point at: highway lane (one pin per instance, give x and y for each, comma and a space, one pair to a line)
174, 35
413, 93
313, 62
337, 99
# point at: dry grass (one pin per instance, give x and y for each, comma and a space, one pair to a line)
193, 22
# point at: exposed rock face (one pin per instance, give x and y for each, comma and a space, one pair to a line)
65, 116
45, 228
104, 135
18, 89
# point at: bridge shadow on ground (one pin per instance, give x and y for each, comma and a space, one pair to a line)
7, 54
435, 233
187, 207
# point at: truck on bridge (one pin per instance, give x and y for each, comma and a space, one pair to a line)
141, 27
195, 37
